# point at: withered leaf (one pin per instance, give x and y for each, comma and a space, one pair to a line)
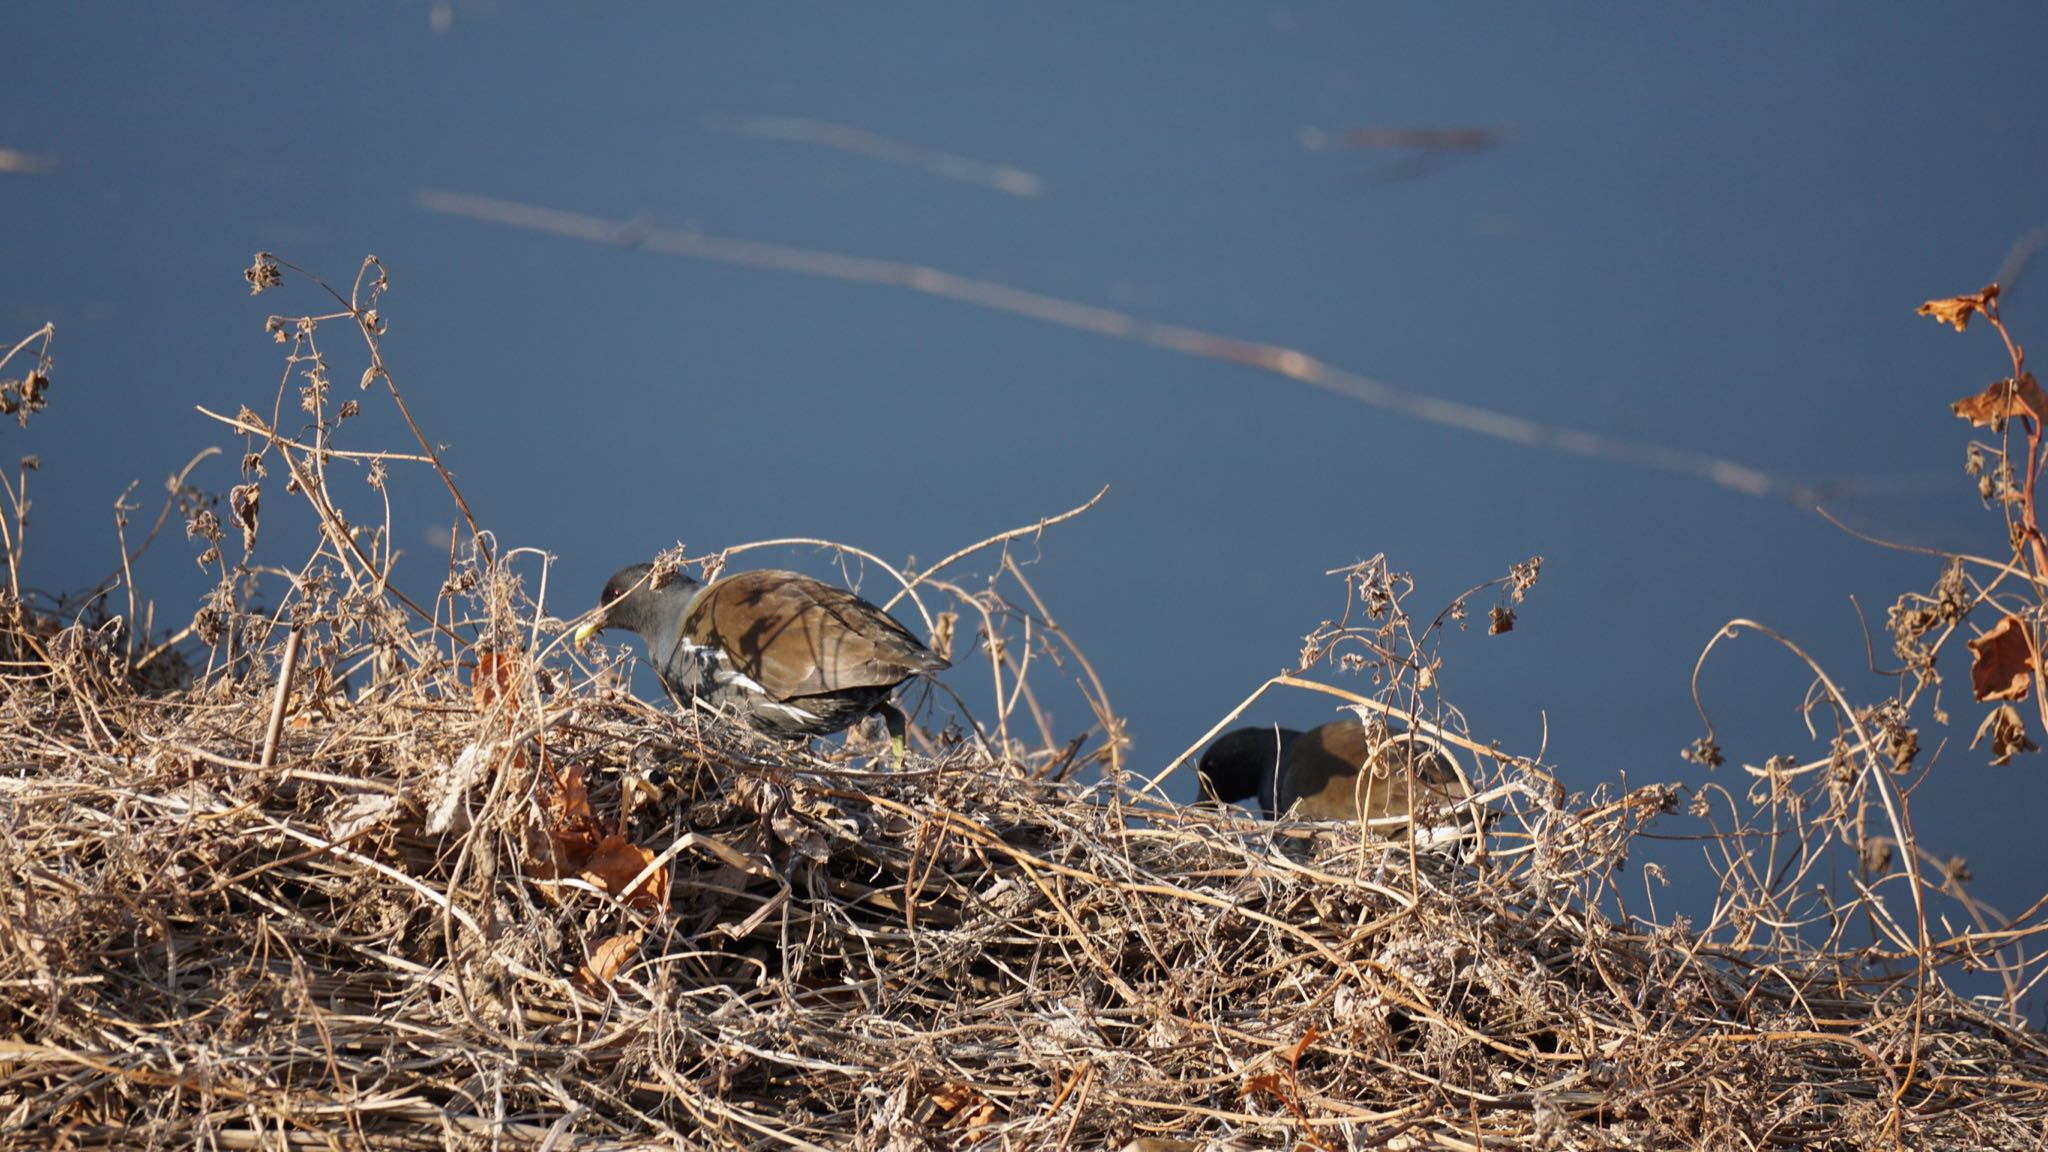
360, 815
1300, 1046
2002, 662
245, 500
2008, 735
573, 827
1957, 310
447, 784
614, 866
977, 1118
963, 1107
608, 959
2003, 400
951, 1097
493, 678
1268, 1083
802, 838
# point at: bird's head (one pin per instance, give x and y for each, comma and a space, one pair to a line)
631, 601
1242, 764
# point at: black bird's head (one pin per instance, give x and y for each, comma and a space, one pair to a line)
1242, 763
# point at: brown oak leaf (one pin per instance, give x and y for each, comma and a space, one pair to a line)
2008, 735
615, 865
2003, 400
2002, 662
1957, 310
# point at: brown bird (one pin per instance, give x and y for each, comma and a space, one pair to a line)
792, 655
1334, 772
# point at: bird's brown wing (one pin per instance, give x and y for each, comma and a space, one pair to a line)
1321, 769
796, 636
1437, 786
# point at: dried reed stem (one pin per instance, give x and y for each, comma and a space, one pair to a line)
288, 666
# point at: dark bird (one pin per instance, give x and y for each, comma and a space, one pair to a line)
1334, 772
1244, 763
792, 655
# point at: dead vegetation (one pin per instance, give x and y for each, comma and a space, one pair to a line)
392, 873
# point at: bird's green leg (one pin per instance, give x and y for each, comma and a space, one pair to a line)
899, 730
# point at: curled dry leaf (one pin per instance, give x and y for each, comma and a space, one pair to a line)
2008, 735
2004, 399
245, 500
572, 825
963, 1108
617, 863
1957, 310
1269, 1084
952, 1097
802, 838
447, 784
608, 959
1300, 1046
493, 677
2002, 662
360, 815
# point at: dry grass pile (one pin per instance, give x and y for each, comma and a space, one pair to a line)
199, 951
392, 875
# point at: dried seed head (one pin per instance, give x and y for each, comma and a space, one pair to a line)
1522, 577
263, 274
203, 523
1705, 752
314, 394
244, 501
19, 398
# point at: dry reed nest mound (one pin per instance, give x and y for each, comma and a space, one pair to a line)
480, 902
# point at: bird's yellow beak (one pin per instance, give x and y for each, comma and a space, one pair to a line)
591, 627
